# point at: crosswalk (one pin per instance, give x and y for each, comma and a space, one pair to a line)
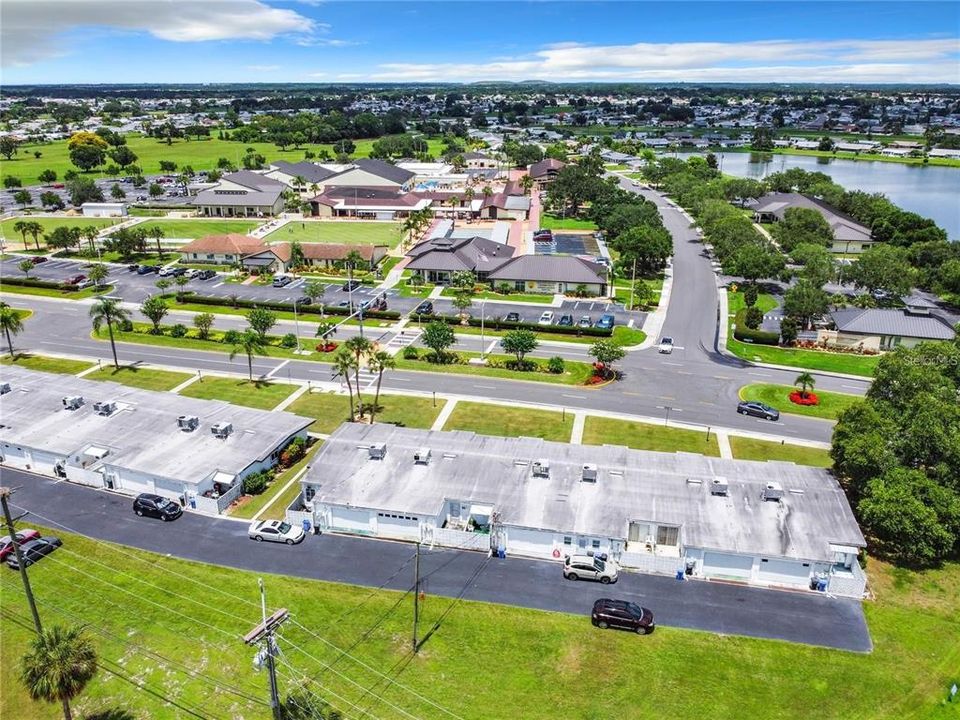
366, 378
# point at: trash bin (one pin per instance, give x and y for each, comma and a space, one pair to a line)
680, 574
306, 526
821, 585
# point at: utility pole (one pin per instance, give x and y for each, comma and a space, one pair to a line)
5, 494
633, 284
264, 632
416, 599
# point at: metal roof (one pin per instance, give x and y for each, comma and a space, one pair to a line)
632, 485
551, 268
878, 321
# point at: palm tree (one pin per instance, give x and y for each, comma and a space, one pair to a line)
378, 362
250, 343
11, 322
22, 227
343, 363
107, 311
526, 182
487, 191
58, 666
359, 346
98, 272
806, 382
157, 234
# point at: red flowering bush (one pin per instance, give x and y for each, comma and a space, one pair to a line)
810, 399
326, 347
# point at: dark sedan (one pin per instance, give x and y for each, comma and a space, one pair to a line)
424, 308
156, 506
758, 409
622, 615
34, 550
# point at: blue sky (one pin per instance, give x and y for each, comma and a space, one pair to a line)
179, 41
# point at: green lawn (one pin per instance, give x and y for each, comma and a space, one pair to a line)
622, 291
510, 421
366, 232
193, 615
146, 378
575, 373
552, 222
647, 436
201, 155
253, 504
49, 225
261, 395
43, 363
761, 450
831, 403
193, 229
331, 410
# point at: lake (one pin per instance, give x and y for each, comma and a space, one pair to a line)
930, 191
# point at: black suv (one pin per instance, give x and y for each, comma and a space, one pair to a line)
351, 285
205, 274
424, 308
758, 409
156, 506
623, 615
33, 550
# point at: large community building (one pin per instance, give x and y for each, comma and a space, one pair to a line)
771, 524
849, 236
195, 452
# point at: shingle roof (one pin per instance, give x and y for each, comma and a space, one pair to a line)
311, 172
878, 321
539, 169
551, 268
319, 251
376, 167
232, 243
476, 254
251, 198
254, 181
844, 227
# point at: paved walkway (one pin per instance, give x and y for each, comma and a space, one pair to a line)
576, 435
444, 414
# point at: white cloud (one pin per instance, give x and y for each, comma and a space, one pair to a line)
33, 30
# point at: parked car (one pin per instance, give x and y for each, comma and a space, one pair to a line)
33, 551
275, 531
84, 284
351, 285
424, 308
589, 567
565, 321
665, 346
37, 259
7, 543
156, 506
147, 269
303, 301
585, 321
758, 409
512, 317
623, 615
133, 268
141, 198
76, 279
282, 281
171, 270
190, 273
543, 236
606, 322
205, 274
546, 318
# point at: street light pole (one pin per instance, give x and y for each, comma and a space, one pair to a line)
296, 325
483, 342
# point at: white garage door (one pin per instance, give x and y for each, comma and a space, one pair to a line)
398, 525
784, 572
350, 520
725, 565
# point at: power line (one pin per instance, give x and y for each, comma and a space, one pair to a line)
298, 679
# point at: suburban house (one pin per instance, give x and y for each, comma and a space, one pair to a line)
771, 524
437, 258
552, 274
545, 172
875, 329
241, 194
378, 203
220, 249
276, 258
105, 435
849, 236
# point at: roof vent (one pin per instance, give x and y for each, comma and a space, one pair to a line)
72, 402
719, 486
107, 407
222, 429
541, 468
772, 491
188, 423
4, 388
377, 451
422, 456
589, 473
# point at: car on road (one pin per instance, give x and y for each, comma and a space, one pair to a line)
6, 543
665, 346
590, 567
275, 531
758, 409
606, 322
37, 259
33, 551
282, 280
156, 506
350, 285
565, 321
424, 308
205, 274
512, 317
546, 318
585, 321
636, 183
623, 615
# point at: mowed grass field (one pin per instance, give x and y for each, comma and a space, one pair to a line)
176, 626
362, 232
199, 154
49, 225
192, 229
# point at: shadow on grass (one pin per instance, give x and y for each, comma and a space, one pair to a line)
111, 714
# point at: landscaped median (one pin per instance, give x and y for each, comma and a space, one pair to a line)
30, 286
42, 363
487, 419
744, 448
330, 410
648, 436
829, 405
499, 366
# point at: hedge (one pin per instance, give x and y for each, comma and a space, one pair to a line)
759, 337
495, 324
30, 282
285, 306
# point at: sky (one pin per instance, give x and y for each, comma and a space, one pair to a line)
311, 41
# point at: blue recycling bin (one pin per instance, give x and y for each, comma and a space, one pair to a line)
821, 585
306, 526
680, 575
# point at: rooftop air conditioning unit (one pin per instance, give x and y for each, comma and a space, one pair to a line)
541, 468
104, 408
719, 486
772, 491
188, 422
422, 456
222, 429
377, 451
4, 388
589, 473
72, 402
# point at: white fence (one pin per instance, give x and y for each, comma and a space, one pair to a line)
853, 585
458, 539
645, 562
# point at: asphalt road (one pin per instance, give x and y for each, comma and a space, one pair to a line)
714, 607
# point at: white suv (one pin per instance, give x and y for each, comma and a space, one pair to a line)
588, 567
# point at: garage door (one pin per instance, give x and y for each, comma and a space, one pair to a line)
398, 525
725, 565
350, 520
784, 572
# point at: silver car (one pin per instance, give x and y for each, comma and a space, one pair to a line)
275, 531
588, 567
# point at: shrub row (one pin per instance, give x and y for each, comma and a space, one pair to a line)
759, 337
497, 324
30, 282
285, 306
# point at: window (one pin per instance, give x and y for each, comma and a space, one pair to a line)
567, 540
667, 535
308, 493
595, 544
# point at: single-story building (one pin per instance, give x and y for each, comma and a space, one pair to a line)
91, 209
770, 524
310, 174
377, 203
552, 274
545, 171
195, 452
479, 161
876, 329
368, 172
241, 194
437, 258
504, 206
849, 236
276, 258
220, 249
